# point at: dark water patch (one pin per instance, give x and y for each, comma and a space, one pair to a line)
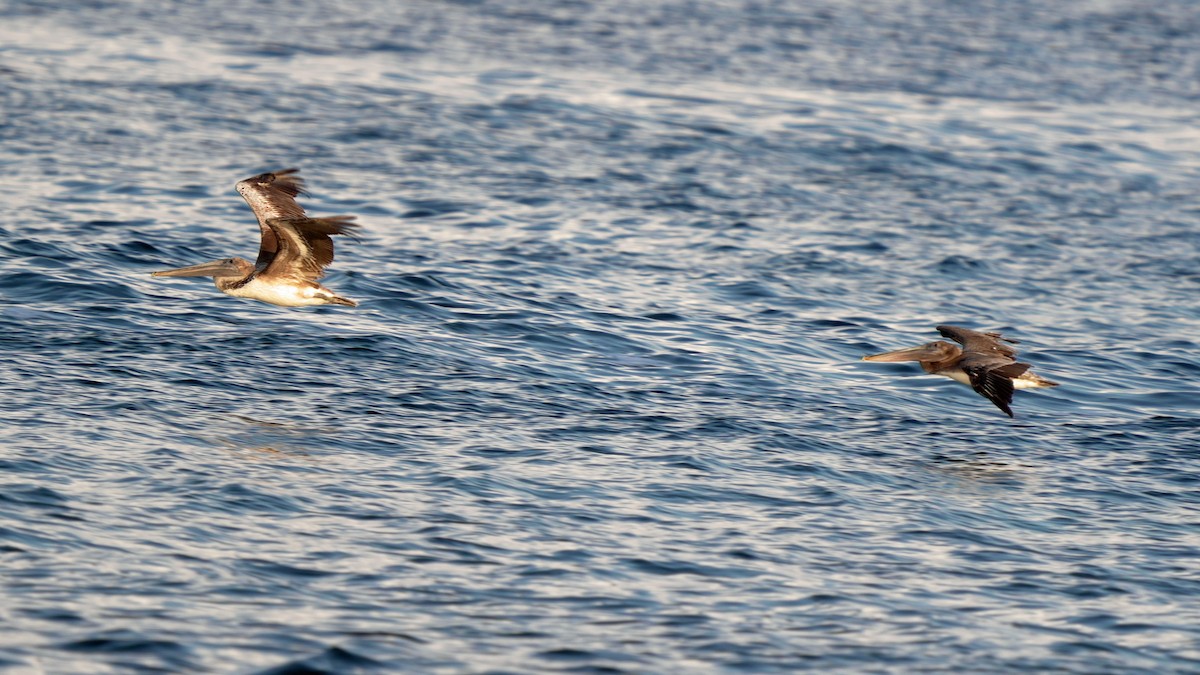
29, 286
41, 250
596, 661
331, 661
238, 498
959, 266
25, 495
276, 570
434, 207
57, 615
133, 651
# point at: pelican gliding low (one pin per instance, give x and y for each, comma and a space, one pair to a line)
983, 362
292, 255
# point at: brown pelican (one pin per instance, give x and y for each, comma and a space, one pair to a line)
984, 362
293, 253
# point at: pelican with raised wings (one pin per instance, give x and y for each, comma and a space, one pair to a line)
984, 362
292, 255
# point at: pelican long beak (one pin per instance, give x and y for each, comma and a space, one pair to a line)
215, 268
921, 353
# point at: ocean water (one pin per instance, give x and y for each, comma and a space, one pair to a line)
601, 409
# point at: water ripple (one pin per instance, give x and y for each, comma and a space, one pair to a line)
601, 408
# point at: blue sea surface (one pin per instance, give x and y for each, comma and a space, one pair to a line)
601, 409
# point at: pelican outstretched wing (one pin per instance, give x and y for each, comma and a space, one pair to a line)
272, 195
975, 341
304, 246
992, 378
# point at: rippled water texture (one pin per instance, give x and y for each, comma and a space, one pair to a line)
601, 409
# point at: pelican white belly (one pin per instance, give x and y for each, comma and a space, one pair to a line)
957, 376
1026, 380
282, 293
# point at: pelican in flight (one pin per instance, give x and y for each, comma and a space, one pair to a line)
983, 362
293, 254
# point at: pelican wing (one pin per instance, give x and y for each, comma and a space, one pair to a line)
984, 343
992, 378
272, 195
304, 245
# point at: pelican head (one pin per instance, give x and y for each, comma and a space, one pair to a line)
930, 352
226, 269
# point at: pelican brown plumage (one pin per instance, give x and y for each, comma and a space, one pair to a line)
984, 362
293, 252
